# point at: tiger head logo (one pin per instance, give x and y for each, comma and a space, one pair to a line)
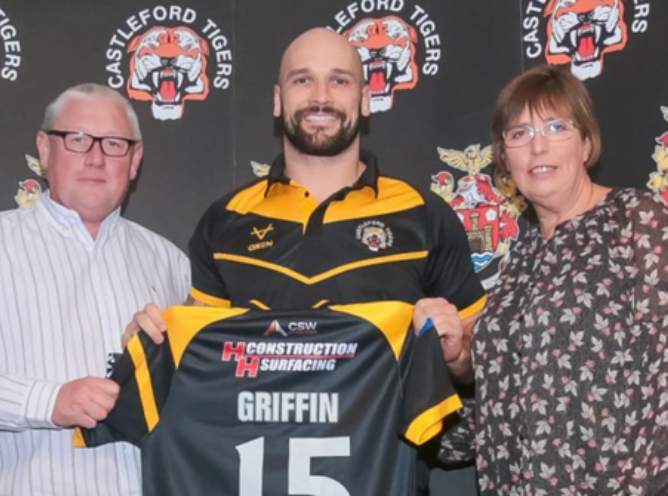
168, 67
581, 32
375, 238
387, 49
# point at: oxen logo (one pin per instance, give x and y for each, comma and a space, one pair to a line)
387, 48
658, 181
168, 67
488, 212
581, 32
374, 235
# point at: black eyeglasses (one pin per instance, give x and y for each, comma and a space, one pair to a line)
78, 142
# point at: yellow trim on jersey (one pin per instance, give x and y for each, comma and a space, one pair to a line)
474, 308
79, 441
320, 304
393, 196
144, 383
210, 300
183, 323
259, 304
394, 323
401, 257
430, 423
246, 200
292, 203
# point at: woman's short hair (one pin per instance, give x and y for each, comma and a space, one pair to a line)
544, 88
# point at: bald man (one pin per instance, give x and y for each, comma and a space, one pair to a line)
325, 227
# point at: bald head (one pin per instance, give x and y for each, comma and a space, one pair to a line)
320, 47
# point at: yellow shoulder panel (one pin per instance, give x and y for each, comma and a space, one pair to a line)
393, 196
393, 318
183, 323
247, 199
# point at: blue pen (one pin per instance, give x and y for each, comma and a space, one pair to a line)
427, 325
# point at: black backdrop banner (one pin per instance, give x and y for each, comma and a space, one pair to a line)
435, 68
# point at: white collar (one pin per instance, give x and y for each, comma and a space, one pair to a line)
69, 222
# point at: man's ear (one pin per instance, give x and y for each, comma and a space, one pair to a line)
43, 150
365, 106
278, 102
137, 156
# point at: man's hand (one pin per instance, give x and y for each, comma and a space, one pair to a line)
148, 320
84, 402
455, 334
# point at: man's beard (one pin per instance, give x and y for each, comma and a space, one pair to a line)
316, 144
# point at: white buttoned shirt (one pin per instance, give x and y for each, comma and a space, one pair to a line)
65, 299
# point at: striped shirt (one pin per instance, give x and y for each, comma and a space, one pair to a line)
64, 302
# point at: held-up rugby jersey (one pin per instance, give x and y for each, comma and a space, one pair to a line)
266, 403
271, 245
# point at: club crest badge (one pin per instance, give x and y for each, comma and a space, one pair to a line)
489, 210
375, 235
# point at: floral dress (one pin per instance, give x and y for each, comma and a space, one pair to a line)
571, 359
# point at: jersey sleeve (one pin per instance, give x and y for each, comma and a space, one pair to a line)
450, 273
208, 285
429, 396
144, 373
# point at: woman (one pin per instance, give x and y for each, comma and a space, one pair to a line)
571, 356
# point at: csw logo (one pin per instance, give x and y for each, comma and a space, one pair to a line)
168, 55
398, 43
580, 33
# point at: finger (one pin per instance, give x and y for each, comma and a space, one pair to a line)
103, 400
83, 420
144, 321
105, 386
96, 411
130, 330
154, 313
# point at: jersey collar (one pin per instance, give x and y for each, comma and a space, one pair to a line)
369, 177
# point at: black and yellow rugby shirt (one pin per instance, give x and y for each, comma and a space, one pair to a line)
270, 244
268, 403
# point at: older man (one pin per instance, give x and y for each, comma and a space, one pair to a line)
72, 272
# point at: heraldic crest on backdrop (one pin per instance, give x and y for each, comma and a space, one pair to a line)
488, 208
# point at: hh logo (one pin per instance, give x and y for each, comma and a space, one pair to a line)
245, 364
168, 67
